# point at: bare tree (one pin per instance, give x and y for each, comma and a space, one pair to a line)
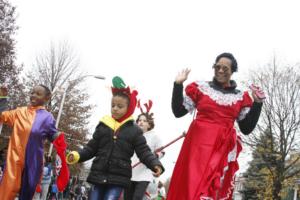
56, 66
281, 117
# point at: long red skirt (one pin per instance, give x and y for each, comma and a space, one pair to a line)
206, 164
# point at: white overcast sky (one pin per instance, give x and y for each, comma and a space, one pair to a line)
148, 42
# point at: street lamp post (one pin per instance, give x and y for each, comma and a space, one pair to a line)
63, 101
89, 75
297, 182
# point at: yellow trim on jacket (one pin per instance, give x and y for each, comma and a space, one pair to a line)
112, 123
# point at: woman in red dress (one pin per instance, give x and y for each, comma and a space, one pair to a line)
207, 161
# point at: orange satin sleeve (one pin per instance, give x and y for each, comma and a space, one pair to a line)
21, 119
8, 117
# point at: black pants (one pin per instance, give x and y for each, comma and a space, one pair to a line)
136, 190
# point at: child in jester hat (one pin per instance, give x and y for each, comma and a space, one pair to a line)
24, 162
114, 141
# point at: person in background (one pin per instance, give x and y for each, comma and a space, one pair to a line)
161, 191
66, 193
78, 191
37, 194
207, 162
141, 175
83, 191
43, 187
53, 191
46, 179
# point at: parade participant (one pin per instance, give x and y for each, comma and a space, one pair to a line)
141, 175
24, 162
47, 175
114, 141
161, 191
207, 161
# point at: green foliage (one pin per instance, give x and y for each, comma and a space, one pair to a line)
10, 72
258, 184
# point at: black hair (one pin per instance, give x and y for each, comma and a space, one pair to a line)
123, 95
47, 90
149, 117
234, 65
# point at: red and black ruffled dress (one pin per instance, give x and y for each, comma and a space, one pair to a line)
207, 161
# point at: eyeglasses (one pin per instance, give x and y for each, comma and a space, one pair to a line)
223, 67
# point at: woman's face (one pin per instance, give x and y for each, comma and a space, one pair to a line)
119, 106
143, 123
223, 71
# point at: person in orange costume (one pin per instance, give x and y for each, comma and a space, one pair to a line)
24, 162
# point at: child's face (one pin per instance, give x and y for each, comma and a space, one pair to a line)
38, 96
119, 106
143, 123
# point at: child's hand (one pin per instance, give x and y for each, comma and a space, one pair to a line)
158, 171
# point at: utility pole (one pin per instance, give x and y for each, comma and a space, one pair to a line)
297, 183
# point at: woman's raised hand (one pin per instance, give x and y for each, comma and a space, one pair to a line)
257, 94
182, 76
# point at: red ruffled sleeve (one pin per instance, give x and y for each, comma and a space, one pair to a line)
193, 92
